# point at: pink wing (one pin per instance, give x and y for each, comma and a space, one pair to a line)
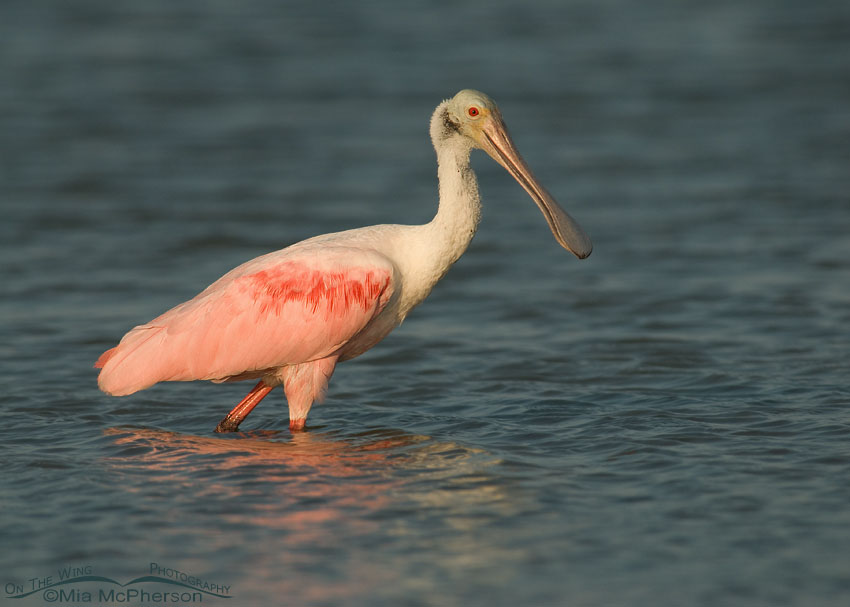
288, 307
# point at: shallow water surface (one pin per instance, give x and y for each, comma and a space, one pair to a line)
664, 423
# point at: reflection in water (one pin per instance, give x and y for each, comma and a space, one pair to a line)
319, 502
305, 484
166, 450
283, 457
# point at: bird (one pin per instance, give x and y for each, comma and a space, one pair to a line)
289, 317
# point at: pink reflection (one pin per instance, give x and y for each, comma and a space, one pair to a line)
311, 491
321, 504
331, 474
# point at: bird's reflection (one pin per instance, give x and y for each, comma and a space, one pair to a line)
317, 500
163, 449
309, 472
268, 479
269, 455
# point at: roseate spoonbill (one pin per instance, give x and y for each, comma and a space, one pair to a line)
288, 317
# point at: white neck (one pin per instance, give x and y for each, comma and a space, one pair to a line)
431, 249
448, 235
460, 206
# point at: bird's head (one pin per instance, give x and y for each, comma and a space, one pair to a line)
475, 117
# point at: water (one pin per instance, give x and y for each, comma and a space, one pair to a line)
665, 423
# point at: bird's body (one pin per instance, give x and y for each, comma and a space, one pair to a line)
286, 318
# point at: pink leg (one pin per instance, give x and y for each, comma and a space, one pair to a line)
304, 384
231, 421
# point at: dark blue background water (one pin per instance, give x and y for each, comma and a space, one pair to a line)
665, 423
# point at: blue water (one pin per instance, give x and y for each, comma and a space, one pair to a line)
664, 423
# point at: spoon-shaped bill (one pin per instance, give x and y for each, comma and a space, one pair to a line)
498, 144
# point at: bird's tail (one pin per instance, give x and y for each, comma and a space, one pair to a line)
130, 366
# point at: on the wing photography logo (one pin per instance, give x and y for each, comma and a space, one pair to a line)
161, 585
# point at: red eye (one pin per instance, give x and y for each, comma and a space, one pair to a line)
473, 111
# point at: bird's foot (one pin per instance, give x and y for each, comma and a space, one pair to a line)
228, 424
231, 421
